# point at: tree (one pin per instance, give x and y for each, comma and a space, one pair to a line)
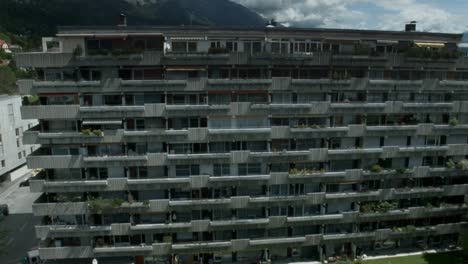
7, 80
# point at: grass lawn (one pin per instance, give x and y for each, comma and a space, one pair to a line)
440, 258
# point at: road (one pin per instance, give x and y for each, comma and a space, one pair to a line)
21, 236
19, 199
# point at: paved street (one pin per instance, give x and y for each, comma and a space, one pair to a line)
19, 199
21, 237
20, 223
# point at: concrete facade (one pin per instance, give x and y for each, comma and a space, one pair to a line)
212, 145
12, 126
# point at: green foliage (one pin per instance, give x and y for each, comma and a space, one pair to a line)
90, 132
97, 132
450, 164
78, 51
97, 205
401, 170
425, 53
306, 171
5, 56
30, 100
378, 207
408, 229
86, 131
454, 121
5, 37
462, 165
7, 80
376, 168
39, 18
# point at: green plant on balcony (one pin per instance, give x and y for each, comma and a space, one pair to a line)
431, 54
454, 121
78, 51
378, 207
462, 164
97, 205
450, 164
305, 171
30, 100
376, 168
98, 132
401, 170
86, 131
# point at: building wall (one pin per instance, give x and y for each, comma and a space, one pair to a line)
12, 126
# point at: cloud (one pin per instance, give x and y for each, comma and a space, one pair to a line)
368, 14
316, 13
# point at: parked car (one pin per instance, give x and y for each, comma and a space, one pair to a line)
4, 209
32, 258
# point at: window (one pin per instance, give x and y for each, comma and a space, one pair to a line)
179, 46
19, 155
17, 132
192, 46
3, 163
250, 169
24, 153
221, 169
0, 138
140, 124
11, 115
18, 143
187, 170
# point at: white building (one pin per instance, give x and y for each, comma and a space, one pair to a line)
12, 150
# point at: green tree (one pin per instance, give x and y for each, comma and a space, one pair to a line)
7, 80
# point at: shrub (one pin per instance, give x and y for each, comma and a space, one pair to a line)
450, 164
86, 131
378, 207
454, 121
97, 132
78, 51
376, 168
462, 165
401, 170
31, 100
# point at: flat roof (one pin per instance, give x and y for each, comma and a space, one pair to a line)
318, 33
4, 97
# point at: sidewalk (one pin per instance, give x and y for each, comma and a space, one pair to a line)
7, 184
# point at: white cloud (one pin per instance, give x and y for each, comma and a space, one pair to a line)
429, 17
381, 14
314, 13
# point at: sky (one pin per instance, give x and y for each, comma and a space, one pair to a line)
431, 15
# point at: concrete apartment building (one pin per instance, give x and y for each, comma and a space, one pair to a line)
13, 151
219, 145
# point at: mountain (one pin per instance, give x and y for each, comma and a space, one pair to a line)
41, 17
